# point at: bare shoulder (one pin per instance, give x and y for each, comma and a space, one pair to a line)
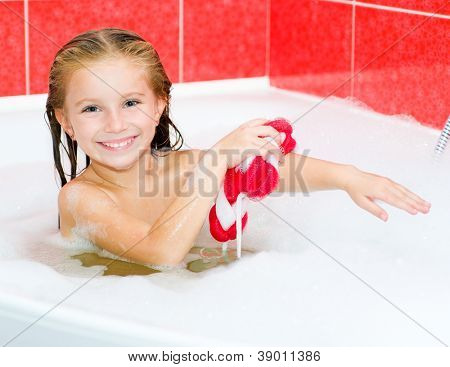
79, 197
75, 191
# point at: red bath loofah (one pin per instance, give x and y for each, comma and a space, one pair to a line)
255, 177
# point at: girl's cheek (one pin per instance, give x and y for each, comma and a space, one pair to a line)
86, 133
142, 116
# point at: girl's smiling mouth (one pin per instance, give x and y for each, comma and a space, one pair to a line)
119, 144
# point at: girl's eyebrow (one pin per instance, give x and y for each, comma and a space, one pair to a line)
96, 100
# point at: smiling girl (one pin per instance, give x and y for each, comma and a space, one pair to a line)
110, 95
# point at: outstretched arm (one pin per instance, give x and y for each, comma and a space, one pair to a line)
306, 174
302, 173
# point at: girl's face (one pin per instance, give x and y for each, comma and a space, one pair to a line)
111, 101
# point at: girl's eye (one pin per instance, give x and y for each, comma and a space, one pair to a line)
87, 108
131, 100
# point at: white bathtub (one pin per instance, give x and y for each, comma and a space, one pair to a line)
325, 272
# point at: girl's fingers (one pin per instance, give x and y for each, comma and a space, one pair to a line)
371, 207
415, 206
277, 140
269, 147
398, 199
266, 130
267, 144
256, 122
402, 201
417, 199
269, 131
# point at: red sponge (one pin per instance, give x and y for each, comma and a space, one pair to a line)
255, 177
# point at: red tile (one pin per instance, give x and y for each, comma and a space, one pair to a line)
56, 22
410, 77
224, 39
12, 47
310, 46
439, 6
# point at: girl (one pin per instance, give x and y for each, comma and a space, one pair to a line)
110, 94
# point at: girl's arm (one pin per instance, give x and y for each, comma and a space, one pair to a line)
165, 242
303, 173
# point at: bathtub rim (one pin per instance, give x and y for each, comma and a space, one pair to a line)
94, 325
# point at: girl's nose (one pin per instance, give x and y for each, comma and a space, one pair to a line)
115, 123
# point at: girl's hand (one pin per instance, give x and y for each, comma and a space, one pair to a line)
364, 188
248, 139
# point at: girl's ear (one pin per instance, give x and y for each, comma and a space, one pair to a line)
59, 114
161, 106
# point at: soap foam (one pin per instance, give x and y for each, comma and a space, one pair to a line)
297, 288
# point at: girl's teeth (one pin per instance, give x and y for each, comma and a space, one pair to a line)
118, 145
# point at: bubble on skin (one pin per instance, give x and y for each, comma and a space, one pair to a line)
88, 229
177, 228
74, 195
83, 227
105, 253
80, 240
74, 242
182, 222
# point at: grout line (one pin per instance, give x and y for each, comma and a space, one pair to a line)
390, 8
27, 48
268, 38
180, 40
352, 57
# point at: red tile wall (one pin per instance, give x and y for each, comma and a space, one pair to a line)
12, 48
395, 59
220, 39
224, 39
310, 46
408, 69
387, 53
53, 23
431, 6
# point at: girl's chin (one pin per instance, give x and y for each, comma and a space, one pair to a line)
122, 167
118, 163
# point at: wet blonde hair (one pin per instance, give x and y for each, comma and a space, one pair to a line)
98, 45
